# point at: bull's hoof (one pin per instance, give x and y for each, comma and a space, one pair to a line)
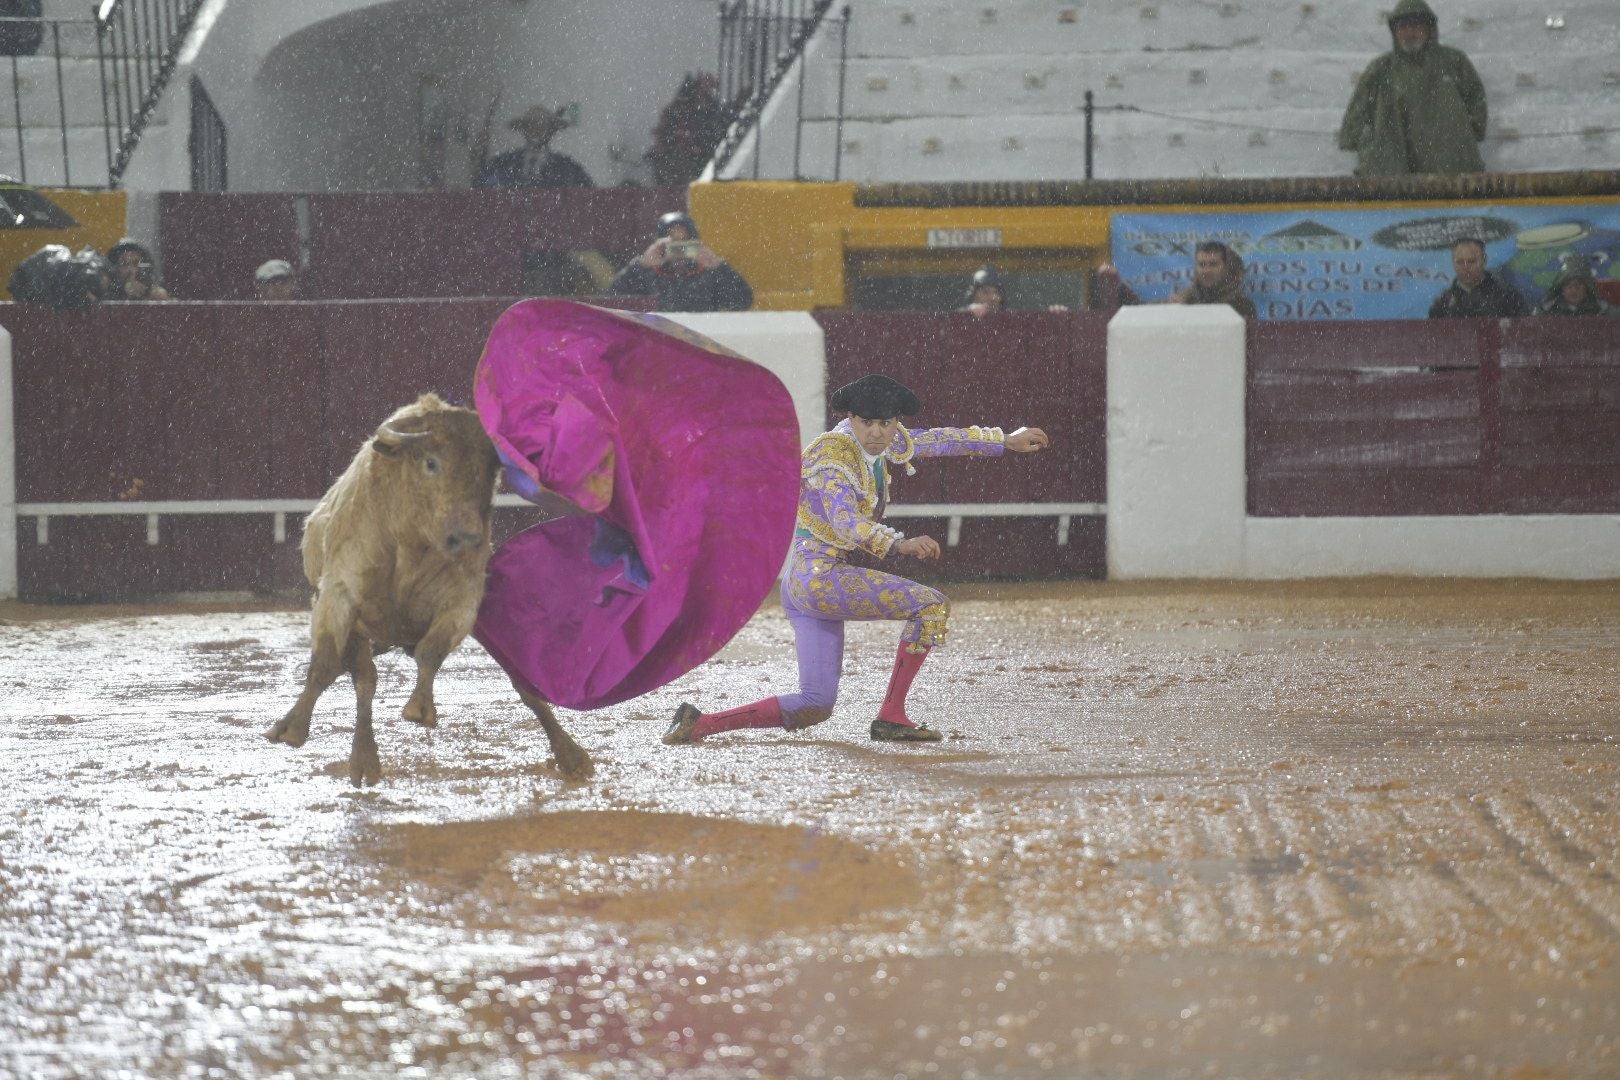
289, 730
365, 768
417, 713
574, 763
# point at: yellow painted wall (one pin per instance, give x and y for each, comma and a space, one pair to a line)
794, 241
101, 216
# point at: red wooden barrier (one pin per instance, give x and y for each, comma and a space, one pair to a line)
158, 402
146, 403
1444, 417
399, 244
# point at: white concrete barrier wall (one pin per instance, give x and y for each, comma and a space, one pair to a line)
789, 344
1177, 482
1176, 491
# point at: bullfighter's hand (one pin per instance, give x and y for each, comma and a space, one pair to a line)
923, 547
1027, 440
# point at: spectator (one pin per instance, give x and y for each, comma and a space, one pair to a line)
681, 271
1109, 292
134, 272
1574, 291
275, 280
1474, 293
986, 292
1419, 108
536, 165
1217, 279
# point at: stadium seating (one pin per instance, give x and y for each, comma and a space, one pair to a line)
994, 89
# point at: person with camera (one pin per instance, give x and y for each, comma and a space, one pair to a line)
134, 272
683, 273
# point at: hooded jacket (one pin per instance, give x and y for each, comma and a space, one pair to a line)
1575, 269
1422, 112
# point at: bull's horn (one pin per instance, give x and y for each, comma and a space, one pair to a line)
393, 436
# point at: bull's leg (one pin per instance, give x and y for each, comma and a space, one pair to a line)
444, 634
330, 625
571, 757
364, 765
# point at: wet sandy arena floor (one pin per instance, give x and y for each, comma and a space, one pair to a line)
1340, 829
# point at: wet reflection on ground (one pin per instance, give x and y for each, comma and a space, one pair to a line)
1360, 829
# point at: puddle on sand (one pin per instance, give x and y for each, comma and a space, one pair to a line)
695, 875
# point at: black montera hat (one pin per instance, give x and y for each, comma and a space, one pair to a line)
875, 397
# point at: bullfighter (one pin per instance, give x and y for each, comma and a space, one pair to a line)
844, 487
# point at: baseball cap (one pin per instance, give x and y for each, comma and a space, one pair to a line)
270, 271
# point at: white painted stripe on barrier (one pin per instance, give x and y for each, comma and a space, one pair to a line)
1027, 509
171, 506
153, 511
1565, 546
8, 475
506, 499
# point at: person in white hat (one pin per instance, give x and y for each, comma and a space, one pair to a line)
536, 165
275, 280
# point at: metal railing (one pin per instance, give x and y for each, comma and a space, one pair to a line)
759, 42
137, 43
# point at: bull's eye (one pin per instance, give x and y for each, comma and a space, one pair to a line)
430, 465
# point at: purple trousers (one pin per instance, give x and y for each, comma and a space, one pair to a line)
820, 592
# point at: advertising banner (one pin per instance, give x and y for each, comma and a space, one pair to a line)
1365, 264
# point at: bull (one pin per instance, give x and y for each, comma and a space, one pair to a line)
396, 551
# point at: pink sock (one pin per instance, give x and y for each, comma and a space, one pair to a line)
906, 664
761, 714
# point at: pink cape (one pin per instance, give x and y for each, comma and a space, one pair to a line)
686, 459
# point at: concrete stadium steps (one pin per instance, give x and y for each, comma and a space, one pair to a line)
1240, 88
987, 85
1272, 142
87, 156
992, 86
1126, 146
36, 86
1067, 27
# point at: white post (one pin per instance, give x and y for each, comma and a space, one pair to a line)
1177, 492
8, 475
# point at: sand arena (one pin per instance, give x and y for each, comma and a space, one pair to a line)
1357, 829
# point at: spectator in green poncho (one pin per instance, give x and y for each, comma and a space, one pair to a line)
1419, 108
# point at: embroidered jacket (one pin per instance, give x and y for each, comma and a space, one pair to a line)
841, 498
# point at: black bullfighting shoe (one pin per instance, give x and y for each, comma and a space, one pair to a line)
680, 729
885, 731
